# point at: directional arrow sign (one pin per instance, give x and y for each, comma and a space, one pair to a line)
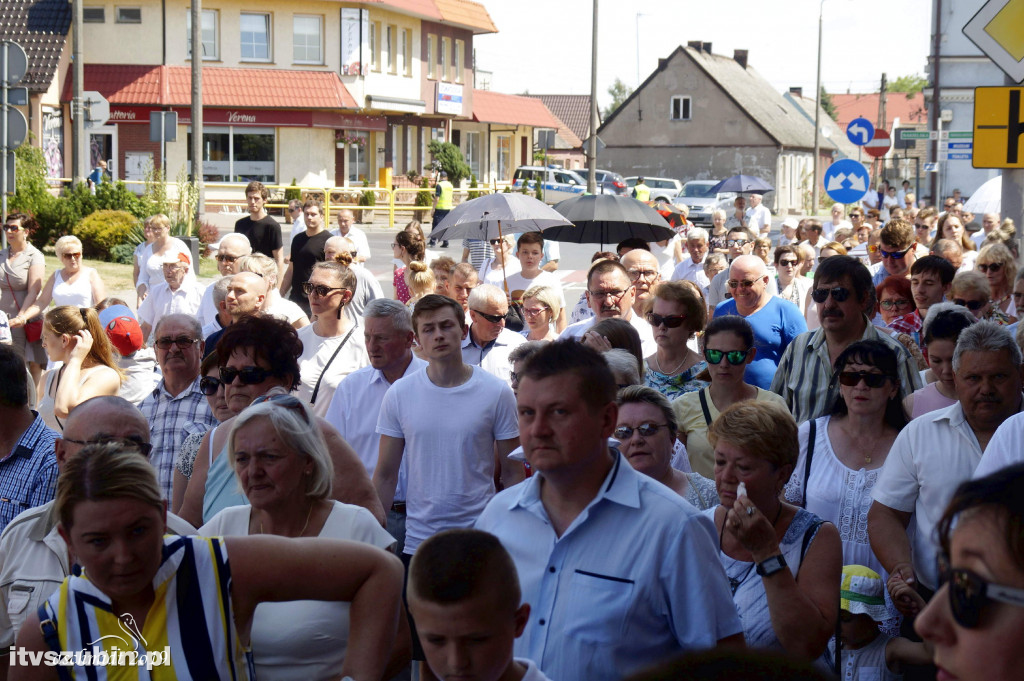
879, 145
846, 181
860, 131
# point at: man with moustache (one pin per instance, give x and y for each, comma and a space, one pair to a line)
842, 291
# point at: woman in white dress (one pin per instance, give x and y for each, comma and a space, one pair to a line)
74, 284
151, 268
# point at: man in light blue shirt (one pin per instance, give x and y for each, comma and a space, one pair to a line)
619, 570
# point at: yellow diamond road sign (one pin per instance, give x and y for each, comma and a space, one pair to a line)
996, 30
998, 127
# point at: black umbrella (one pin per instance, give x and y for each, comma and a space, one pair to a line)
742, 184
608, 219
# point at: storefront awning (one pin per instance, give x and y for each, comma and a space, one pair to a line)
494, 107
162, 86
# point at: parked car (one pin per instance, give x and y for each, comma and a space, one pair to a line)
662, 188
558, 183
609, 182
701, 201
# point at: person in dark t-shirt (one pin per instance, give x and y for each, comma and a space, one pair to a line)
263, 231
307, 250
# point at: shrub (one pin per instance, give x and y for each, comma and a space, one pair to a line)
507, 190
368, 197
292, 192
59, 217
540, 191
451, 160
123, 254
208, 234
33, 193
473, 185
102, 230
423, 197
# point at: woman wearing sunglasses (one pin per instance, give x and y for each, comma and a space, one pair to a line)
676, 314
842, 453
73, 284
728, 349
646, 431
971, 290
333, 345
504, 263
974, 621
259, 354
999, 266
22, 268
783, 562
792, 286
281, 463
895, 298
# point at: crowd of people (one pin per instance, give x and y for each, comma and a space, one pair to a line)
813, 449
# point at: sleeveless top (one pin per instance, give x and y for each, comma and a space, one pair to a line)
928, 399
221, 485
190, 618
77, 293
748, 588
46, 406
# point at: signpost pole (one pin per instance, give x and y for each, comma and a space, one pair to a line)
3, 141
1012, 205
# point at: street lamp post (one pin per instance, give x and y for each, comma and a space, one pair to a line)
817, 117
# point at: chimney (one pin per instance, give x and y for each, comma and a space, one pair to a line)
741, 57
795, 91
695, 44
662, 63
706, 47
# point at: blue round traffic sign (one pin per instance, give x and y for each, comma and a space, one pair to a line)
846, 181
860, 131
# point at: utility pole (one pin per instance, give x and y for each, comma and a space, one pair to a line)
881, 124
79, 139
196, 144
592, 147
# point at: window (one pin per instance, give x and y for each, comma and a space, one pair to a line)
357, 162
504, 149
473, 152
306, 42
410, 142
129, 15
680, 108
234, 154
460, 49
255, 34
406, 52
93, 15
392, 49
375, 46
444, 61
209, 20
431, 56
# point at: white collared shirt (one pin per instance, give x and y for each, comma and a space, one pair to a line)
1006, 448
634, 578
162, 301
358, 239
691, 271
493, 357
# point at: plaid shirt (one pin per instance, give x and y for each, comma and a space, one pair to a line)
909, 324
167, 416
804, 378
28, 474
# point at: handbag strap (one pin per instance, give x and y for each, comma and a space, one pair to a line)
48, 628
811, 437
704, 405
316, 388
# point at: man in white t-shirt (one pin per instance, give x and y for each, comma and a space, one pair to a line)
530, 251
488, 343
452, 423
610, 294
357, 236
838, 221
759, 218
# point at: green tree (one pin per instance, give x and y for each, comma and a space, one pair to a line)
828, 105
910, 85
32, 192
619, 93
451, 160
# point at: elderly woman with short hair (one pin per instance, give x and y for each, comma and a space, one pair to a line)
792, 286
718, 234
74, 284
646, 431
783, 563
971, 289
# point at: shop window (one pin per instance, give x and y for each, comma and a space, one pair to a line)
407, 52
235, 154
431, 56
473, 152
306, 40
504, 158
255, 36
445, 59
460, 49
94, 15
410, 144
392, 48
358, 162
680, 108
129, 15
209, 34
375, 46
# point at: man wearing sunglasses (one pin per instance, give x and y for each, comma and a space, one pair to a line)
936, 452
776, 322
842, 292
610, 294
488, 343
177, 399
739, 241
897, 249
232, 247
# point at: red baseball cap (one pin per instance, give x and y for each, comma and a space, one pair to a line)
122, 329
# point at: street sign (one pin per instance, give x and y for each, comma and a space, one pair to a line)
13, 62
17, 128
600, 145
959, 145
931, 167
163, 126
879, 145
957, 134
846, 181
998, 127
917, 134
995, 29
96, 108
860, 131
17, 96
959, 157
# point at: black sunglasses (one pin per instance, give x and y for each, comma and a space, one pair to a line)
969, 593
895, 255
227, 258
670, 321
734, 357
839, 294
183, 342
492, 318
249, 375
132, 442
788, 263
209, 385
623, 433
322, 291
990, 266
972, 305
852, 378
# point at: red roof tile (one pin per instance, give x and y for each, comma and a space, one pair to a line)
222, 87
910, 111
494, 107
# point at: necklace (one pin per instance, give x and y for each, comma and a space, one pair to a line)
303, 530
736, 582
676, 370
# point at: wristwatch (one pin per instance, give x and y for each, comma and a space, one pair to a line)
769, 566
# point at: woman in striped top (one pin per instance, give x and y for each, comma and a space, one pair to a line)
187, 602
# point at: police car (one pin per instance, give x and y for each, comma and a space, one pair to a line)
558, 183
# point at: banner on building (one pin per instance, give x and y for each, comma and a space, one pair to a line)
355, 41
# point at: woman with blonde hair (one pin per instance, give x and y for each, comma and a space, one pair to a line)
830, 249
75, 337
74, 284
420, 281
541, 306
151, 268
999, 266
971, 289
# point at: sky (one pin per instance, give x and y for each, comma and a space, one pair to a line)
543, 46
